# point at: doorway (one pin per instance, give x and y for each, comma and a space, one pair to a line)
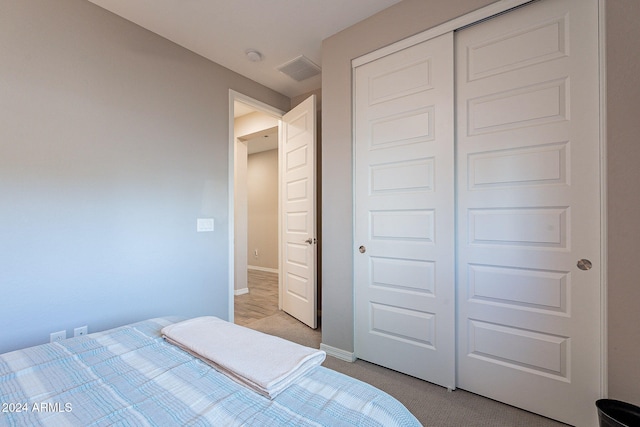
255, 210
296, 208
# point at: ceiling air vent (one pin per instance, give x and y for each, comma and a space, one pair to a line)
300, 68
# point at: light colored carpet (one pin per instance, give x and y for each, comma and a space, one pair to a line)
433, 405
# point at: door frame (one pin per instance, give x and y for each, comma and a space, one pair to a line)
481, 14
275, 113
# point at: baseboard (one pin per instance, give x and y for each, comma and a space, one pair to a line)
268, 270
347, 356
241, 291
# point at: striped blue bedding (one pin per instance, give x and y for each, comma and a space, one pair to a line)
129, 376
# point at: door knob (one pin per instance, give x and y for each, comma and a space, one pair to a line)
362, 249
584, 264
310, 241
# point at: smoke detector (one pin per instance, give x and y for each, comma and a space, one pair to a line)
299, 68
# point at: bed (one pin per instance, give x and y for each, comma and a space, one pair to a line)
131, 376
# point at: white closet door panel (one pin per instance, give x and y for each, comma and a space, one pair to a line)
404, 279
529, 209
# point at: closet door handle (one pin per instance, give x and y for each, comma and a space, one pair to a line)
584, 264
362, 249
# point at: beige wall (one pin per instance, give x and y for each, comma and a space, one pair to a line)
262, 180
413, 16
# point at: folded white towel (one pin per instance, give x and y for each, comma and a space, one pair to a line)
262, 362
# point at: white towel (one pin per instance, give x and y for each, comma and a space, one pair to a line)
262, 362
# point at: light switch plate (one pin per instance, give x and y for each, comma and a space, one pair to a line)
205, 224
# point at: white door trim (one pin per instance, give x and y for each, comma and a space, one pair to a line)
479, 15
264, 108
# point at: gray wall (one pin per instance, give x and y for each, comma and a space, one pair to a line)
623, 157
623, 208
113, 141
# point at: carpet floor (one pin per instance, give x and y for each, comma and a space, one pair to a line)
432, 405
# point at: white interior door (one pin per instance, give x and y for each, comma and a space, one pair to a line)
404, 211
529, 209
298, 206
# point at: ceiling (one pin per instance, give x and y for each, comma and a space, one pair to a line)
223, 30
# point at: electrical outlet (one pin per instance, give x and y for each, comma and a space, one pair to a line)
57, 336
80, 331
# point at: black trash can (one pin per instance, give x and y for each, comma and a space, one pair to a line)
614, 413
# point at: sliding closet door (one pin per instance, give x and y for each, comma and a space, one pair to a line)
529, 209
404, 213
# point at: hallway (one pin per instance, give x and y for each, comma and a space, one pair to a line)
262, 299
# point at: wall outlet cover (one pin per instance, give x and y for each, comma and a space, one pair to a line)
57, 336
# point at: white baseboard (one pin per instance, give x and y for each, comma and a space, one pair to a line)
241, 291
268, 270
347, 356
